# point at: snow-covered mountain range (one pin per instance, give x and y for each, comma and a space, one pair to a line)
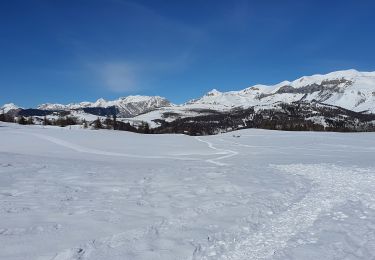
126, 106
342, 91
349, 89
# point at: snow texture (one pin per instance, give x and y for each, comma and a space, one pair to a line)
251, 194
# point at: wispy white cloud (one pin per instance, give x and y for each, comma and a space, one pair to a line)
133, 76
118, 76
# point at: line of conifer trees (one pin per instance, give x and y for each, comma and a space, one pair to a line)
63, 121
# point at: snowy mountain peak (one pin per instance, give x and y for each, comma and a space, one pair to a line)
101, 102
8, 107
344, 75
139, 98
213, 92
51, 106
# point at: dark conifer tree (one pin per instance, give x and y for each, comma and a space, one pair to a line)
30, 120
61, 121
114, 122
22, 120
145, 128
97, 124
2, 115
108, 122
84, 123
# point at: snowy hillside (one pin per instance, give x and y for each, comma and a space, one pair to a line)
251, 194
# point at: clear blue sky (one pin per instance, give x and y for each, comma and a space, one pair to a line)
76, 50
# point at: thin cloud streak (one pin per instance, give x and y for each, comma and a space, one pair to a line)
119, 77
133, 76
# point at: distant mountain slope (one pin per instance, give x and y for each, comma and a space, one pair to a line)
348, 89
125, 106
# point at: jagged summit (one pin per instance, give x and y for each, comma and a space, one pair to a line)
213, 92
126, 106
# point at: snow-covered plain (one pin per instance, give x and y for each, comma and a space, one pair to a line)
83, 194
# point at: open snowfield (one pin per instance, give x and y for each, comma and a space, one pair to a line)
83, 194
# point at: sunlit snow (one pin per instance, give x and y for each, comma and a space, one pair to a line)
251, 194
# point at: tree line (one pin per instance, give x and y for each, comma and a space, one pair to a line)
110, 122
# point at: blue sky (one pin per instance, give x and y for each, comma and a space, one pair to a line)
77, 50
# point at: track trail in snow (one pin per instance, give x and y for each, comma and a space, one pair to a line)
226, 153
82, 149
332, 186
288, 147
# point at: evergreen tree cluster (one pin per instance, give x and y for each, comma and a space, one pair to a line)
6, 118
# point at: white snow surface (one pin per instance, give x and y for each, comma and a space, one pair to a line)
250, 194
